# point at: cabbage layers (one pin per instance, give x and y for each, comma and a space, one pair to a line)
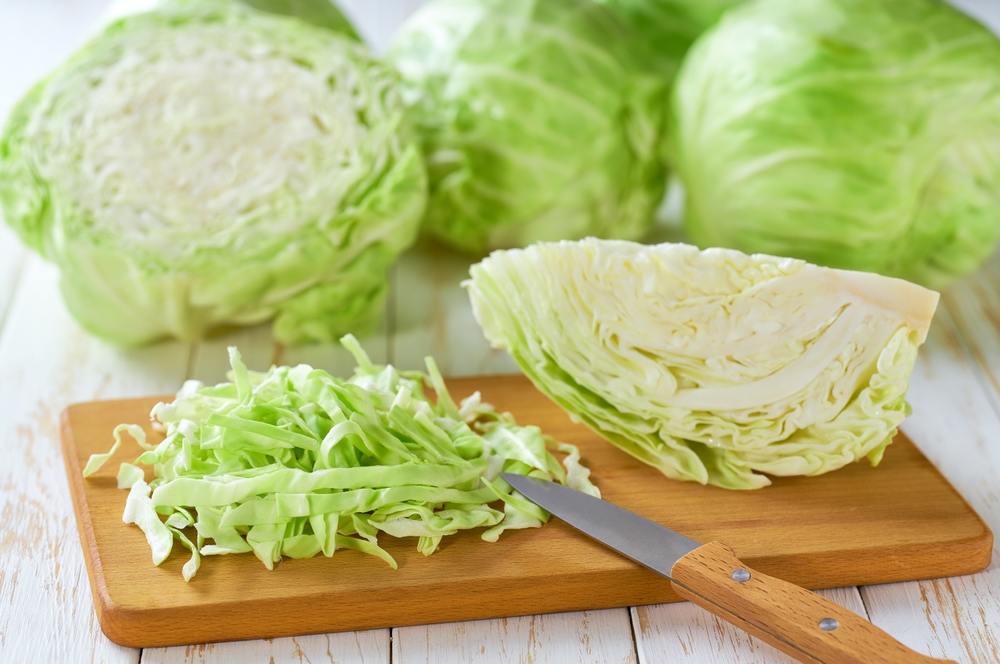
669, 27
849, 133
536, 118
714, 366
209, 163
296, 462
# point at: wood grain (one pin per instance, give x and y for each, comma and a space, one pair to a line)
11, 258
47, 362
370, 647
858, 525
666, 633
784, 615
582, 637
954, 422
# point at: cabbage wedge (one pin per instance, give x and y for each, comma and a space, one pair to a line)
713, 366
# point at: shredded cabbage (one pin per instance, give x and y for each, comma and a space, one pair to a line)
295, 462
209, 164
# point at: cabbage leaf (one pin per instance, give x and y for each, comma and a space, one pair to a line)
848, 133
670, 27
714, 367
539, 120
295, 462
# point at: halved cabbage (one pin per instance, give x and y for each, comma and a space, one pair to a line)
713, 366
207, 163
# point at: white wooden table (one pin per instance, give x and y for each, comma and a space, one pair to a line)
47, 362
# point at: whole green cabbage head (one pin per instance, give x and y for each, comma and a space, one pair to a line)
669, 27
714, 367
208, 163
849, 133
537, 120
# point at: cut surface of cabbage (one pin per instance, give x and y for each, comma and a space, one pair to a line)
208, 164
713, 366
295, 462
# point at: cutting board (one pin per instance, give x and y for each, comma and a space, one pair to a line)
859, 525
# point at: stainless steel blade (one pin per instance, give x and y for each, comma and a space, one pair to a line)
644, 541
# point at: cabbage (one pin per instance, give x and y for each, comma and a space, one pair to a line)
849, 133
713, 366
669, 27
209, 163
317, 12
536, 119
295, 462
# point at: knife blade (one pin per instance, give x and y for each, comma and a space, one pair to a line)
794, 620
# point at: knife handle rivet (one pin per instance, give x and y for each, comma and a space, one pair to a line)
828, 624
741, 575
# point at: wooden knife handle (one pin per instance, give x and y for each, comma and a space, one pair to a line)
797, 622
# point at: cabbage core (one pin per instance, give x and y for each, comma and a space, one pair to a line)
208, 164
209, 129
712, 366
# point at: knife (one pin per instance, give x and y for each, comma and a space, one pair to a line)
797, 622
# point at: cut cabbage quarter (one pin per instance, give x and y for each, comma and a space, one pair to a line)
713, 366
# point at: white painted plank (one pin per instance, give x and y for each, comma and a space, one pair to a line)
48, 362
433, 316
666, 633
954, 424
974, 303
371, 647
12, 255
602, 637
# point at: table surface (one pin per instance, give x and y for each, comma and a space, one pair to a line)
48, 362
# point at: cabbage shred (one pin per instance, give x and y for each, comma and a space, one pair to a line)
209, 164
295, 462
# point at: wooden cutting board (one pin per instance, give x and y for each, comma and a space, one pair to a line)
856, 526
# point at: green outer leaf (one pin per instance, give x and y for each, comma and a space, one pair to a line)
853, 134
670, 27
539, 120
